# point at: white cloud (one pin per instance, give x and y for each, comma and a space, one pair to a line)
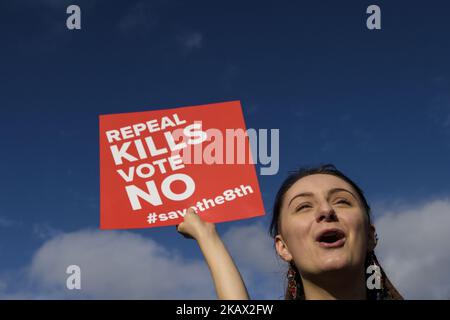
414, 250
252, 249
114, 265
123, 265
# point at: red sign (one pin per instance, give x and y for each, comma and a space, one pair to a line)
154, 165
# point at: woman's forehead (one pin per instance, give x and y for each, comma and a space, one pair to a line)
317, 184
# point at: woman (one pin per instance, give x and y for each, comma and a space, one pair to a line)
321, 227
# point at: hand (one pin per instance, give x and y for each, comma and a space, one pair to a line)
193, 227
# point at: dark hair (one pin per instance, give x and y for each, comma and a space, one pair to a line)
387, 292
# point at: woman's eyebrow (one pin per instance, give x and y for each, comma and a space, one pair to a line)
334, 190
310, 194
303, 194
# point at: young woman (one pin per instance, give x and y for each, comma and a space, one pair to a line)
321, 227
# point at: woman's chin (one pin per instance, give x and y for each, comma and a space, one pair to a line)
334, 262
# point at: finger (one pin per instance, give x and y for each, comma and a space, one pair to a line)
185, 235
180, 226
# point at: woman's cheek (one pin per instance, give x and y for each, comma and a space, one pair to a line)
358, 230
298, 236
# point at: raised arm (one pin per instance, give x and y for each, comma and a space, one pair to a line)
227, 279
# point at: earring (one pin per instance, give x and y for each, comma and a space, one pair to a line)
292, 283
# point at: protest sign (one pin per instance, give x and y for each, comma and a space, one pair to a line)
154, 165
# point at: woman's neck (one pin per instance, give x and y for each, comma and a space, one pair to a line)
335, 286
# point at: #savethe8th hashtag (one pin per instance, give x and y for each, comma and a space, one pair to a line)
203, 205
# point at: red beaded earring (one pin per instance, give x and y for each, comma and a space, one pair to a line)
292, 283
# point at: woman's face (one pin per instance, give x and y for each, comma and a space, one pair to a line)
324, 226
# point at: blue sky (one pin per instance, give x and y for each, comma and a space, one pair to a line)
375, 103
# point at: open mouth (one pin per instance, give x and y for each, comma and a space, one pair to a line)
331, 238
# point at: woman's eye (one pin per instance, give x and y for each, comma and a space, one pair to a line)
302, 206
343, 201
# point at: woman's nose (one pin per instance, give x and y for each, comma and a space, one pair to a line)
326, 212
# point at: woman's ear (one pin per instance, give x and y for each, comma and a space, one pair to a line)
282, 249
373, 239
